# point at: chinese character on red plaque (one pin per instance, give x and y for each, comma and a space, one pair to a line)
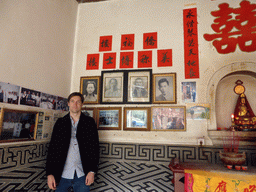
150, 40
105, 43
164, 58
92, 61
232, 27
109, 60
144, 59
126, 60
127, 42
191, 58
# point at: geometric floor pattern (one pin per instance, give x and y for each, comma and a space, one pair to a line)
132, 177
112, 177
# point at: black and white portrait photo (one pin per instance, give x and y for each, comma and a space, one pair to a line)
164, 88
90, 89
112, 87
139, 86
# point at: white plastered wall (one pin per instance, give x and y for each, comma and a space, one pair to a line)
165, 17
36, 44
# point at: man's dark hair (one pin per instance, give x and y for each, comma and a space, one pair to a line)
162, 81
76, 94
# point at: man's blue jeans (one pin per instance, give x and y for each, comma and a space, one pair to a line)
78, 185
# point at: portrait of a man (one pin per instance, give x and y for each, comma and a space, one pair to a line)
113, 88
164, 88
139, 89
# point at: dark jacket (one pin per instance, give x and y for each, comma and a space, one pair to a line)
88, 141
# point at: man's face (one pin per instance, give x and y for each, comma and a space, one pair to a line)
75, 104
164, 88
90, 88
138, 83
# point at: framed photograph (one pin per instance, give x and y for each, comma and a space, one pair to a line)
112, 87
136, 119
89, 88
139, 86
109, 118
168, 118
91, 112
18, 125
164, 88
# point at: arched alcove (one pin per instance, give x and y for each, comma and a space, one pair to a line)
222, 99
226, 98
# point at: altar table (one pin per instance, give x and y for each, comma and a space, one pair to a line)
206, 177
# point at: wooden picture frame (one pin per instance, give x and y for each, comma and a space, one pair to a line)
109, 118
18, 125
164, 88
91, 112
112, 87
90, 89
168, 118
139, 86
136, 119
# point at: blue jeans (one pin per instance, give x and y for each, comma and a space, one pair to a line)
78, 185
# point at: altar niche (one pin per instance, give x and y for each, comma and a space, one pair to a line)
17, 125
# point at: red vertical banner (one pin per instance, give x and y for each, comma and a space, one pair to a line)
190, 43
144, 59
127, 42
109, 60
164, 58
92, 61
126, 60
105, 43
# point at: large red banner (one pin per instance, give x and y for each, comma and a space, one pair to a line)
190, 43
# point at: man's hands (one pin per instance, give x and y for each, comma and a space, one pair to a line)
51, 182
89, 178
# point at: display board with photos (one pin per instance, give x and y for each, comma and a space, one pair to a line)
14, 94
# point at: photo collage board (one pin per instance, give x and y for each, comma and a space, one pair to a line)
17, 95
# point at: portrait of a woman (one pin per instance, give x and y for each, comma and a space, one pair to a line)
90, 91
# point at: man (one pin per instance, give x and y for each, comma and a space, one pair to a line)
73, 153
139, 90
166, 92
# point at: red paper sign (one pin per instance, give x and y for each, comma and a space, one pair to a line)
126, 60
109, 60
164, 58
150, 40
232, 31
190, 43
144, 59
92, 61
105, 43
127, 42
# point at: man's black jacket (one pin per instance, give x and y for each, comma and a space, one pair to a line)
88, 141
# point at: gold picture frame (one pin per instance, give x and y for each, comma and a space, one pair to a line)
109, 118
168, 118
90, 89
164, 88
136, 119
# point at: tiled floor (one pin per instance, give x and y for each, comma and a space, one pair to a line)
132, 177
